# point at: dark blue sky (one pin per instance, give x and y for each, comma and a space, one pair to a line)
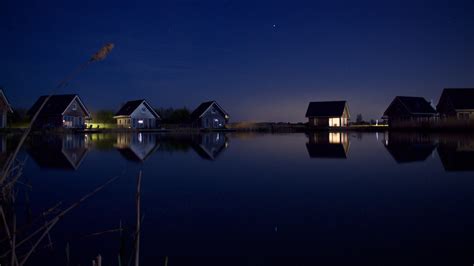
262, 60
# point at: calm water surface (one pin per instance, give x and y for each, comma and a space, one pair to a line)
382, 197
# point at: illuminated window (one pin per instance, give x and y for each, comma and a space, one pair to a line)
74, 106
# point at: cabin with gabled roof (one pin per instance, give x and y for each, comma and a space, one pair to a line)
137, 114
457, 104
5, 108
60, 111
408, 111
209, 115
328, 114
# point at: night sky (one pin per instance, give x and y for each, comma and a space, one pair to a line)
261, 60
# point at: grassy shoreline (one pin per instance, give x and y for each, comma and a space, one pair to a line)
245, 127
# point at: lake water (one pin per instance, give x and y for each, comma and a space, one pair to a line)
241, 199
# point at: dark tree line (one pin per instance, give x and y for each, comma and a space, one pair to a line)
174, 116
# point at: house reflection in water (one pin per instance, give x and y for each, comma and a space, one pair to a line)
409, 147
328, 145
58, 151
457, 152
210, 145
136, 147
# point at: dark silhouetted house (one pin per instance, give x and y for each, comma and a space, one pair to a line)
5, 108
328, 114
209, 115
62, 152
333, 145
210, 145
60, 111
137, 114
409, 111
136, 147
457, 152
456, 104
409, 147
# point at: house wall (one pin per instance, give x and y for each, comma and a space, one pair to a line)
465, 114
319, 121
328, 121
129, 122
142, 117
49, 121
74, 116
212, 118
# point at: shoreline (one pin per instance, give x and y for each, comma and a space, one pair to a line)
267, 128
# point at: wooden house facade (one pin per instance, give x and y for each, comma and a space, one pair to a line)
209, 115
136, 115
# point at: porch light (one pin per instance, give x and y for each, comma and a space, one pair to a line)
140, 121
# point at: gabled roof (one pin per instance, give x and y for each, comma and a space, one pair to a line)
129, 107
2, 95
459, 98
413, 105
326, 109
203, 107
56, 105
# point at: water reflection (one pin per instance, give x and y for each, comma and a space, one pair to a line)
58, 151
209, 146
457, 152
328, 145
185, 202
409, 147
136, 147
